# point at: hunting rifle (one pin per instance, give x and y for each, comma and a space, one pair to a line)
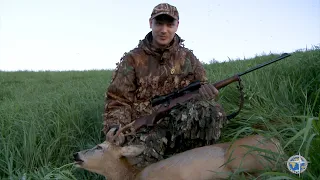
191, 91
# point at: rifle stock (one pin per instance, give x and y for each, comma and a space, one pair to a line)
226, 82
191, 91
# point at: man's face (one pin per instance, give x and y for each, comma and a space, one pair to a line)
163, 28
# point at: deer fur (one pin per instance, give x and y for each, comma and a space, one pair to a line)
209, 162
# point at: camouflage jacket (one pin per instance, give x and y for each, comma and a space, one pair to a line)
145, 72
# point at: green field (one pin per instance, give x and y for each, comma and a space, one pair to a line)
46, 116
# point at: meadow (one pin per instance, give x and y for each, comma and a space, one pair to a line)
46, 116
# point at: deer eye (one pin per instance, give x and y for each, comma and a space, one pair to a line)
99, 148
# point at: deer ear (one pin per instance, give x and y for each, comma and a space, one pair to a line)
132, 150
110, 133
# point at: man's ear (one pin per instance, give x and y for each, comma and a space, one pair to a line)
132, 150
150, 23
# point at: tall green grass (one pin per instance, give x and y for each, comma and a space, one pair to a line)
46, 116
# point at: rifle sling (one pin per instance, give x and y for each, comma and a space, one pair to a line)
234, 114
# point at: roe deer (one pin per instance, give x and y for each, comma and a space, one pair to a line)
203, 163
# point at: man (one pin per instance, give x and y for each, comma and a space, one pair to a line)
159, 65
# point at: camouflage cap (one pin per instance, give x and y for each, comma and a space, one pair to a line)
165, 8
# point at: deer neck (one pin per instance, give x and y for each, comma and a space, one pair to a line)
121, 170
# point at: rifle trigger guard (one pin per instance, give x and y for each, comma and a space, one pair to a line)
234, 114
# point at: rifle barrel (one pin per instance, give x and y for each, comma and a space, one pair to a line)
284, 55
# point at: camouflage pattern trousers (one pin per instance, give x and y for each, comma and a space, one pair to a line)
194, 124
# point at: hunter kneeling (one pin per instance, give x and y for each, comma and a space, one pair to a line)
158, 66
149, 139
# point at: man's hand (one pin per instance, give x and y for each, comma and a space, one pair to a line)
208, 91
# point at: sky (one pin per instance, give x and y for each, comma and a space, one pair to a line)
94, 34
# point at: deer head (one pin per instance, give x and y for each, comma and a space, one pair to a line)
108, 159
